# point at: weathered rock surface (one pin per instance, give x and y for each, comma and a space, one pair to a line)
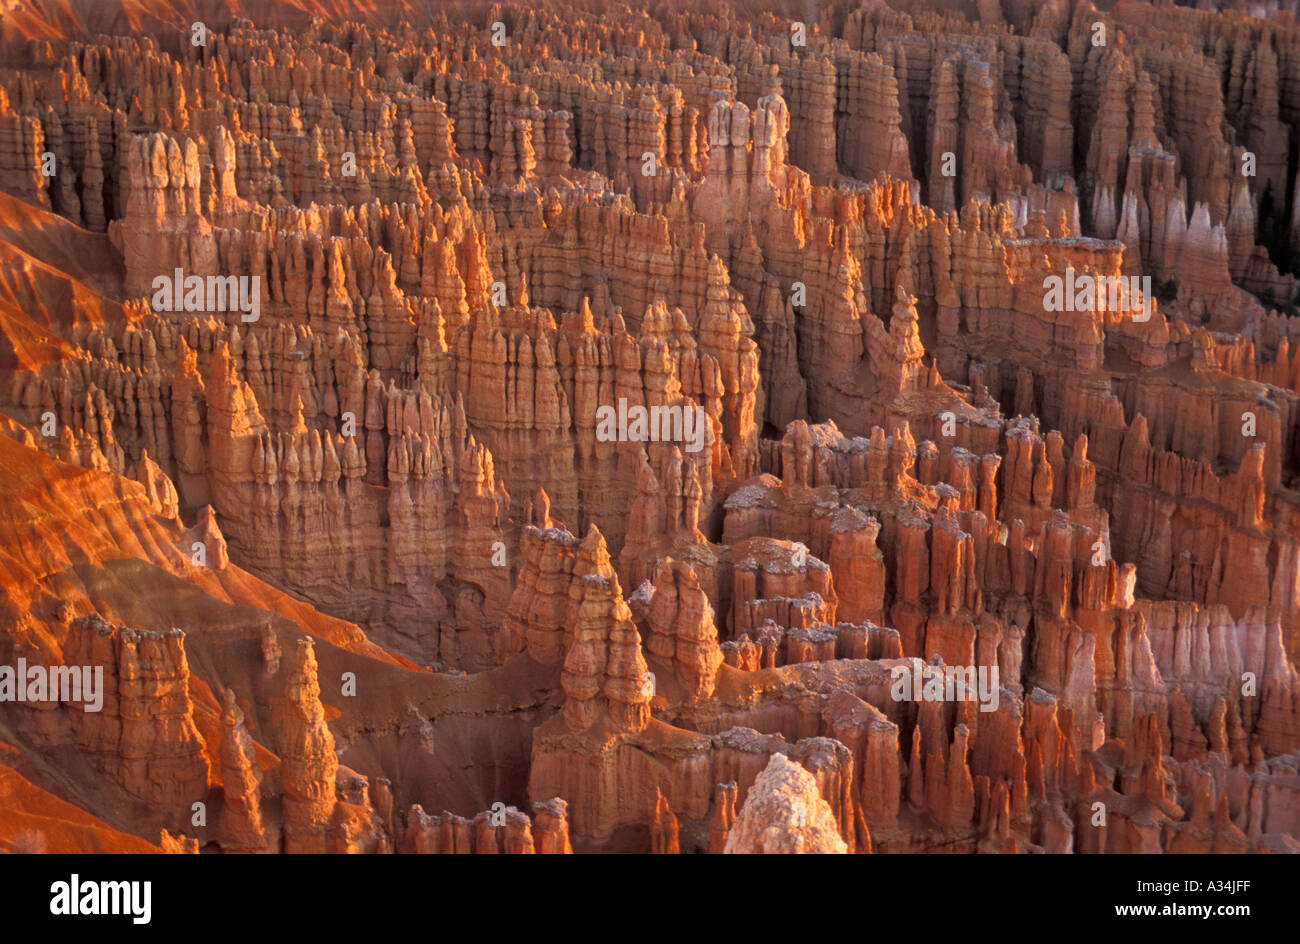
607, 424
784, 814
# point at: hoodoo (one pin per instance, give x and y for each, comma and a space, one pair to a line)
580, 427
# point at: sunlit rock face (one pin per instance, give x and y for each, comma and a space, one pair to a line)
553, 427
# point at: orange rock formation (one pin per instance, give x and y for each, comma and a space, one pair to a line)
349, 536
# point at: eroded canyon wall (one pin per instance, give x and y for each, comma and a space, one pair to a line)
586, 433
